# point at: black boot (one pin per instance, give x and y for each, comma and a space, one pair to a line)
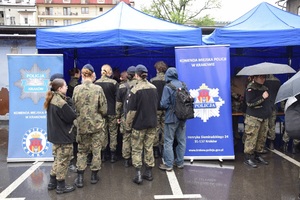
52, 183
103, 155
63, 188
285, 147
156, 152
259, 159
127, 162
72, 166
271, 145
148, 174
249, 160
94, 177
138, 176
79, 179
113, 157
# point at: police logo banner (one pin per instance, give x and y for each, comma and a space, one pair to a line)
206, 72
29, 77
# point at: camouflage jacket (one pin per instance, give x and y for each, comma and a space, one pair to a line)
91, 107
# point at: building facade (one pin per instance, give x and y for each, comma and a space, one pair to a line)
52, 12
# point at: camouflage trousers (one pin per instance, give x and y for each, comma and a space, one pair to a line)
111, 130
62, 154
256, 134
159, 135
142, 140
89, 143
286, 139
272, 125
122, 124
126, 140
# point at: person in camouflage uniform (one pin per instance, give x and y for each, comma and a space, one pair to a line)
60, 117
91, 108
110, 88
74, 81
121, 107
273, 84
259, 109
142, 120
159, 82
238, 86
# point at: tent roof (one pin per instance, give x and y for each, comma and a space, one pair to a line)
263, 26
120, 26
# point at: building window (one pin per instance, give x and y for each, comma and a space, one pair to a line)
101, 1
26, 20
49, 10
67, 10
67, 22
299, 10
49, 22
101, 9
84, 10
66, 1
12, 20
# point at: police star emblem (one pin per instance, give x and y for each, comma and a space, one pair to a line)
34, 83
207, 102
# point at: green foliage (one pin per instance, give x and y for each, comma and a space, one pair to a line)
182, 11
204, 21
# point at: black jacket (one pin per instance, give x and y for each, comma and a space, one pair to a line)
60, 117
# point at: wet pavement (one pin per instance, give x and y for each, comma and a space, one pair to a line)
207, 180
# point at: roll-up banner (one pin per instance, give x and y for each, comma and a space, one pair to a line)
206, 71
29, 77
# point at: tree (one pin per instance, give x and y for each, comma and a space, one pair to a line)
181, 11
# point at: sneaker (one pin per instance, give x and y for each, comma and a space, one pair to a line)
179, 166
165, 168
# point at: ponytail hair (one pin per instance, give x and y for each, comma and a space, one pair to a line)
54, 85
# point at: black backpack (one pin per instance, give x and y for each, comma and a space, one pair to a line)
125, 103
292, 119
184, 103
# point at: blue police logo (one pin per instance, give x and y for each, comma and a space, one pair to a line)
34, 83
35, 142
207, 102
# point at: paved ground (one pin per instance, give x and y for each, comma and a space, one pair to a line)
207, 180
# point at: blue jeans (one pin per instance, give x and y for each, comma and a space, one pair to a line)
170, 131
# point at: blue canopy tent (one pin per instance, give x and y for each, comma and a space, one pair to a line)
264, 34
121, 37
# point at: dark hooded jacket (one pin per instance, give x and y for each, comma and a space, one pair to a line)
167, 101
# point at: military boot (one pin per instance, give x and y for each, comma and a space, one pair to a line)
285, 147
113, 157
259, 159
148, 174
127, 162
79, 179
52, 183
138, 176
271, 145
103, 155
156, 152
63, 188
249, 160
94, 177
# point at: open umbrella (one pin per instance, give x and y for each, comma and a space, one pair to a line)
266, 68
289, 88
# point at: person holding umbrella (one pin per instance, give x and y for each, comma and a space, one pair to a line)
259, 109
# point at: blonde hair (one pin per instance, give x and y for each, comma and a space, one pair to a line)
106, 70
86, 72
